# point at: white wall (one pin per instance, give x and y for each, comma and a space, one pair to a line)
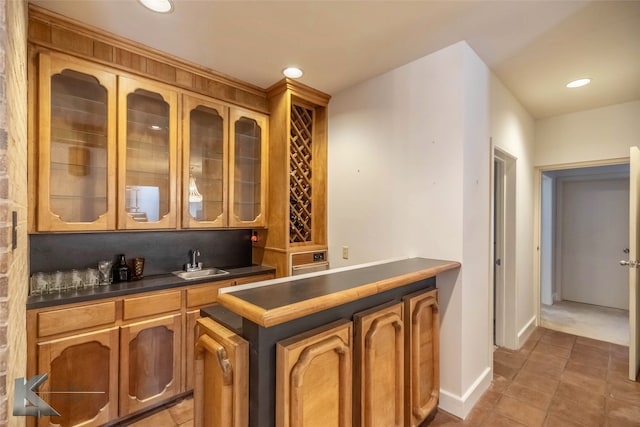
599, 134
512, 131
409, 176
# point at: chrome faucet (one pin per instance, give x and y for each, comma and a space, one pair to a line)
194, 265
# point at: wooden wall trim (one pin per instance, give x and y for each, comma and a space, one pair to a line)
51, 30
299, 90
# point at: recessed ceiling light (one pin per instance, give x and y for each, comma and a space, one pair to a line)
160, 6
292, 72
578, 83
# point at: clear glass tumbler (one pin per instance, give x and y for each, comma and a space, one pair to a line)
104, 272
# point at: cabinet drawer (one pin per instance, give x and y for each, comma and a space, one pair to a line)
150, 304
76, 318
205, 294
251, 279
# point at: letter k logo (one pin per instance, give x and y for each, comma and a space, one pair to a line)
24, 395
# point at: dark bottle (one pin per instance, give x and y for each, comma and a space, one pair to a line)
121, 271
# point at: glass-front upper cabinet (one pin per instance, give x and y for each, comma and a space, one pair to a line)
147, 155
204, 163
76, 145
248, 162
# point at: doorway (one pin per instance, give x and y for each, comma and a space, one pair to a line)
584, 232
504, 250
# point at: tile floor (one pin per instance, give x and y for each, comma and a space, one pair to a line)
554, 380
176, 415
557, 379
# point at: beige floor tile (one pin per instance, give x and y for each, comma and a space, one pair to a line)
182, 411
555, 421
626, 390
497, 420
537, 382
521, 412
625, 411
575, 411
599, 372
159, 419
594, 343
535, 398
592, 401
560, 339
549, 348
594, 385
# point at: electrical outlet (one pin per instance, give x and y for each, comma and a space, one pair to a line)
345, 252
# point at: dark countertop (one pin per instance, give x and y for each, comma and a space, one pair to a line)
224, 316
147, 284
290, 299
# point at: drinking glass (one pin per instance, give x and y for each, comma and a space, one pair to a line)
138, 268
104, 271
56, 284
76, 281
39, 283
91, 278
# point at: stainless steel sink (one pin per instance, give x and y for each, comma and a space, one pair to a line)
200, 274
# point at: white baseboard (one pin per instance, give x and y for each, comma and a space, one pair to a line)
526, 332
460, 406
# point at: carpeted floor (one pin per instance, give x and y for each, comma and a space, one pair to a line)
586, 320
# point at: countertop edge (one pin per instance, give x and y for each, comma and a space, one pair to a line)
276, 316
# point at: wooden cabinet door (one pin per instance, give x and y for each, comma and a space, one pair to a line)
82, 363
313, 378
76, 151
221, 377
149, 362
204, 163
147, 155
189, 338
422, 355
248, 167
379, 367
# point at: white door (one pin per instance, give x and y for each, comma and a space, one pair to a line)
589, 269
634, 257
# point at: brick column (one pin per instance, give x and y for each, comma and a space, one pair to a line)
13, 198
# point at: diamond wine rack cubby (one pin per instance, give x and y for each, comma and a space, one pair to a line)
300, 159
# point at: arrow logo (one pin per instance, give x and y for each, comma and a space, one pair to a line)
26, 402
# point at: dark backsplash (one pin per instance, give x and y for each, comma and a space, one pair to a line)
164, 251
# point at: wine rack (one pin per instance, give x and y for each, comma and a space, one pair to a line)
300, 163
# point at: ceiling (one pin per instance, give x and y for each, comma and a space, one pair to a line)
534, 47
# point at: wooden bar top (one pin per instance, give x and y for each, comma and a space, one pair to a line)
280, 301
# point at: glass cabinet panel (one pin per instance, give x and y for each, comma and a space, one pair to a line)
147, 177
204, 164
147, 182
76, 152
78, 147
249, 157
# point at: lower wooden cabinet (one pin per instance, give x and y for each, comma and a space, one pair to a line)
379, 367
422, 360
313, 378
134, 351
149, 362
221, 377
86, 362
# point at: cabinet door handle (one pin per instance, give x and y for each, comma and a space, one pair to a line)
207, 343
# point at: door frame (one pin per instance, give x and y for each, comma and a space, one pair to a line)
537, 224
503, 227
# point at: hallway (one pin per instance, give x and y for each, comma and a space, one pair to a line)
557, 379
